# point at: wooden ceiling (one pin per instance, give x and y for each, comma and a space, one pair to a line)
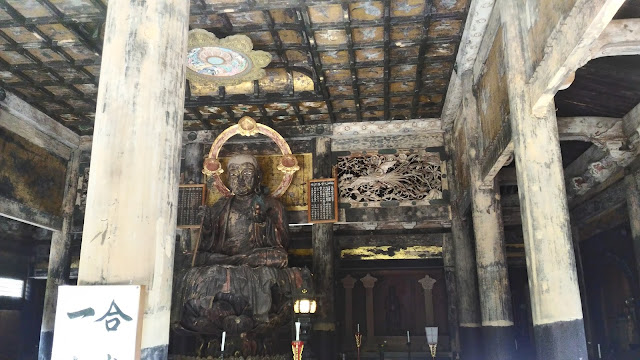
333, 61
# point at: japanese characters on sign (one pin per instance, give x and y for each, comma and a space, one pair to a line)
323, 200
98, 322
190, 199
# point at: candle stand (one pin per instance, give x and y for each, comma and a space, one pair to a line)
358, 342
296, 348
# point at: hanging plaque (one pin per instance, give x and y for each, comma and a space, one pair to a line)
190, 198
322, 197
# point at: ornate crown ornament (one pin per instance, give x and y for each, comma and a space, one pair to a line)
222, 62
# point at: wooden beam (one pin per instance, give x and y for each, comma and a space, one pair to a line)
396, 240
595, 129
474, 29
631, 124
620, 37
38, 120
33, 135
568, 47
17, 211
613, 196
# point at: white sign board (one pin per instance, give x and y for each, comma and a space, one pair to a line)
99, 322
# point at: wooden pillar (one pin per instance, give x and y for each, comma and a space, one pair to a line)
467, 283
369, 282
448, 258
427, 283
491, 258
130, 221
348, 282
59, 261
555, 296
323, 256
632, 183
583, 292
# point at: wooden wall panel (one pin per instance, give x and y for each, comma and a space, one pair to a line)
460, 163
543, 16
30, 175
493, 99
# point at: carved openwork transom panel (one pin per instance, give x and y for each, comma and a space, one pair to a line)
408, 177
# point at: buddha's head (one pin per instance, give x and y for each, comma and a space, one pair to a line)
244, 174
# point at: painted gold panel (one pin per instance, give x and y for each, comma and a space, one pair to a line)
340, 90
335, 75
277, 80
403, 114
21, 35
370, 73
313, 107
391, 253
330, 37
57, 32
209, 21
302, 82
442, 69
279, 108
407, 7
445, 49
411, 32
242, 88
30, 175
346, 116
368, 34
326, 13
285, 120
372, 54
442, 28
371, 90
366, 10
289, 37
334, 57
449, 6
368, 102
242, 109
14, 58
283, 16
317, 119
8, 77
346, 105
403, 86
87, 88
296, 57
403, 71
81, 53
261, 37
401, 101
246, 18
46, 55
295, 198
30, 9
408, 54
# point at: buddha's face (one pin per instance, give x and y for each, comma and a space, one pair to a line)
243, 178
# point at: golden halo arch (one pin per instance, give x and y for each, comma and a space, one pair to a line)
247, 126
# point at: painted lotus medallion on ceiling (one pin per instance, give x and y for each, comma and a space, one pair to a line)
222, 62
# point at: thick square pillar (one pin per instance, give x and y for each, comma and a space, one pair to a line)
555, 297
130, 222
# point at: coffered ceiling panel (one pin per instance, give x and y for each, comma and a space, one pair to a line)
332, 61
